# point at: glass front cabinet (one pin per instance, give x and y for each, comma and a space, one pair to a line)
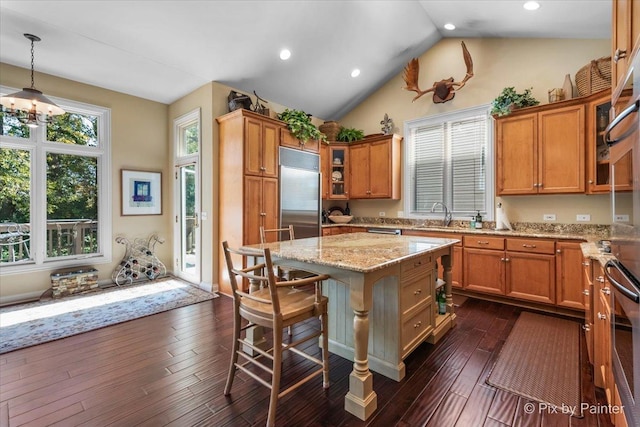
339, 173
598, 165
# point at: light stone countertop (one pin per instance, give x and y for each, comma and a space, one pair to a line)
361, 252
592, 251
589, 233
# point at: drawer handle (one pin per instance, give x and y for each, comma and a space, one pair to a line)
586, 292
528, 246
600, 279
586, 328
417, 325
483, 242
586, 263
418, 292
602, 316
606, 291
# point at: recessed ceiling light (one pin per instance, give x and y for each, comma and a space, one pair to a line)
285, 54
531, 5
449, 27
355, 72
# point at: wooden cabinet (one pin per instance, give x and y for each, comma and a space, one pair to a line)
569, 275
338, 163
603, 375
374, 168
589, 305
416, 302
456, 268
325, 170
597, 153
288, 140
248, 168
530, 270
541, 151
624, 37
484, 269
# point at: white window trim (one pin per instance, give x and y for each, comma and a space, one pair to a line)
440, 118
103, 152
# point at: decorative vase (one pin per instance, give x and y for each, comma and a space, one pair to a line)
567, 87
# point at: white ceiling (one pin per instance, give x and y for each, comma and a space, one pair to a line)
162, 50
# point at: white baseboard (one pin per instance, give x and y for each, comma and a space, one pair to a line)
21, 298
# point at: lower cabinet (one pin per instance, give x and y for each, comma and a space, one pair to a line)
484, 269
530, 266
603, 374
416, 302
456, 268
570, 288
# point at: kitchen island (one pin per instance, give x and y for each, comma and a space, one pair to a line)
381, 300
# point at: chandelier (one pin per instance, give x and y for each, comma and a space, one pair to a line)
29, 105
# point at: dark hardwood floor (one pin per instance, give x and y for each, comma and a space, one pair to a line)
170, 369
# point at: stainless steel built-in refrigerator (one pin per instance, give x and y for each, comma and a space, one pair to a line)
300, 202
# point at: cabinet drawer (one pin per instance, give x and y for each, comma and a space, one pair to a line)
484, 242
538, 246
415, 293
416, 328
415, 268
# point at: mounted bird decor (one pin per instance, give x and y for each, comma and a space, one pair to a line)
444, 90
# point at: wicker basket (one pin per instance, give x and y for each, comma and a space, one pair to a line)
594, 77
330, 129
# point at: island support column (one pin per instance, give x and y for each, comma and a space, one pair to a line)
448, 278
361, 400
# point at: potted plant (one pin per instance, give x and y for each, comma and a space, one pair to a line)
509, 99
350, 134
300, 125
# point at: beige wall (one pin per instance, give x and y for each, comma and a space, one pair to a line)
139, 135
498, 63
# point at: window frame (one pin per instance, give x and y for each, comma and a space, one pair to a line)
408, 187
38, 147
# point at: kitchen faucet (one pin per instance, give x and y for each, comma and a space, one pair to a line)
447, 214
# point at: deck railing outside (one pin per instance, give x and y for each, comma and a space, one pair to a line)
64, 237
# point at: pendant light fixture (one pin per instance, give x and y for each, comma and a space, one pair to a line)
29, 105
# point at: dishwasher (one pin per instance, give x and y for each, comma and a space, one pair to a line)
395, 231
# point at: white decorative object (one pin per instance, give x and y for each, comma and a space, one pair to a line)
340, 219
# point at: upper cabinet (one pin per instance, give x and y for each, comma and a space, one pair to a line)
541, 150
598, 163
374, 168
261, 141
624, 36
288, 140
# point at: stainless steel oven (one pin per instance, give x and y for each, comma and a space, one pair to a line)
623, 137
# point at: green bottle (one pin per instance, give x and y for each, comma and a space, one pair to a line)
442, 301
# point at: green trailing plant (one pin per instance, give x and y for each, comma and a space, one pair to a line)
509, 100
300, 125
349, 134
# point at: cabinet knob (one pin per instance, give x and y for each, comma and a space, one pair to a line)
528, 246
262, 168
606, 291
590, 181
602, 316
558, 251
417, 325
586, 327
619, 54
585, 292
600, 279
418, 292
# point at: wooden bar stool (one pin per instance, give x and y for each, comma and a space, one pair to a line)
287, 233
275, 305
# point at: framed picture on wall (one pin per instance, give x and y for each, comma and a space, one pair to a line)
141, 192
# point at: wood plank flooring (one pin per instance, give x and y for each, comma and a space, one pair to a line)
169, 369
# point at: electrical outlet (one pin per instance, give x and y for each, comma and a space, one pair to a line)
400, 214
583, 217
382, 213
621, 218
549, 217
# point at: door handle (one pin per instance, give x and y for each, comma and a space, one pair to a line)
196, 221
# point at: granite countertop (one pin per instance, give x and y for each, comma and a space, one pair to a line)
355, 251
588, 232
592, 250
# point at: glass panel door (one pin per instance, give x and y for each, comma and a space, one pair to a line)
188, 222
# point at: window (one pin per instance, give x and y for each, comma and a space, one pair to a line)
449, 160
55, 207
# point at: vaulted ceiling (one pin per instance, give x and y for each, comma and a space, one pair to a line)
162, 50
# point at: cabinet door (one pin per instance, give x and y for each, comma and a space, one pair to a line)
569, 276
621, 41
288, 140
530, 277
380, 173
339, 170
561, 147
325, 168
359, 160
484, 271
597, 118
517, 154
252, 212
260, 148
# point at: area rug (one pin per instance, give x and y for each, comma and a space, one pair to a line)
35, 323
540, 360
